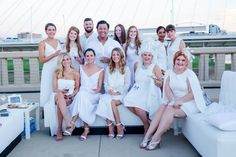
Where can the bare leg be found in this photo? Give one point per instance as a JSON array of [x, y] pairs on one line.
[[143, 116], [59, 128], [166, 121], [132, 109], [85, 133], [155, 121], [120, 127], [110, 128], [61, 102]]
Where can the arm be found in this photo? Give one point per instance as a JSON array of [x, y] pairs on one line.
[[77, 83], [158, 76], [100, 80], [182, 45], [42, 57], [168, 91], [106, 83]]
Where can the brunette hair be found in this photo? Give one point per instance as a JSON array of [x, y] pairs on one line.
[[123, 34], [170, 27], [50, 24]]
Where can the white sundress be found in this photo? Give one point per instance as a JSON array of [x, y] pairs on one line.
[[86, 100]]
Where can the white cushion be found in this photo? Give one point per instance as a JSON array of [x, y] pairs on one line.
[[225, 121]]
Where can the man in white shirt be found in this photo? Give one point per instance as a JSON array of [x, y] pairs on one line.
[[103, 45], [89, 34]]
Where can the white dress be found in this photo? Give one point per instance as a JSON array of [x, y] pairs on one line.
[[144, 94], [85, 101], [73, 54], [47, 74], [161, 55], [179, 87], [172, 48], [50, 108], [131, 59], [117, 82]]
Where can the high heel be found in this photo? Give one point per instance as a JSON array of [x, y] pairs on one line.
[[120, 135], [83, 137], [153, 145], [69, 130], [111, 134], [144, 143]]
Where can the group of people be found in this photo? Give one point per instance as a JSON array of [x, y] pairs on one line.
[[92, 74]]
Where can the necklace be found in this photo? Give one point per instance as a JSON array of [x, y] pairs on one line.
[[132, 46]]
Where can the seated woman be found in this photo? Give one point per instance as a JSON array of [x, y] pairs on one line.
[[117, 82], [182, 96], [144, 97], [85, 101], [65, 86]]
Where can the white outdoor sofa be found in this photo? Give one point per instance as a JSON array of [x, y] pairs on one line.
[[208, 140], [10, 131]]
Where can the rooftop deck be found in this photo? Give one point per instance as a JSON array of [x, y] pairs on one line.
[[41, 144]]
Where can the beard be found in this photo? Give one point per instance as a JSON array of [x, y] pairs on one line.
[[88, 30]]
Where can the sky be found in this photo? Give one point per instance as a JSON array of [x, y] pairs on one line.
[[22, 15]]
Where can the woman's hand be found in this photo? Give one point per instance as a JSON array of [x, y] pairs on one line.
[[97, 90], [177, 104], [55, 54]]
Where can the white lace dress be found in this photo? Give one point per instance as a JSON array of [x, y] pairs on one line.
[[86, 100], [117, 82], [144, 94]]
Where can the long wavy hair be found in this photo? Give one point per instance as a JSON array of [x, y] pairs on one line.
[[77, 40], [123, 34], [121, 62], [60, 69], [137, 40]]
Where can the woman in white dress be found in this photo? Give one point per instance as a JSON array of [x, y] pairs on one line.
[[173, 46], [132, 47], [161, 48], [182, 96], [49, 49], [145, 96], [117, 82], [73, 47], [86, 100], [65, 87]]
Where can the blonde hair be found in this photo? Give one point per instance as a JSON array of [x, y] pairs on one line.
[[121, 62], [60, 69]]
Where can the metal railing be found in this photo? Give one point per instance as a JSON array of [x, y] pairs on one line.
[[209, 66]]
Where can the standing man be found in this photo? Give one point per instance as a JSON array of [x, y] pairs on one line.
[[89, 34], [103, 45]]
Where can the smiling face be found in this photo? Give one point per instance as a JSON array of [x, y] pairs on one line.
[[88, 26], [102, 30], [73, 35], [181, 63], [171, 34], [51, 31], [161, 34], [118, 31], [133, 33], [147, 58], [89, 57], [116, 56], [66, 61]]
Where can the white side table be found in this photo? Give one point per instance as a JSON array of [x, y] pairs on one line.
[[27, 111]]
